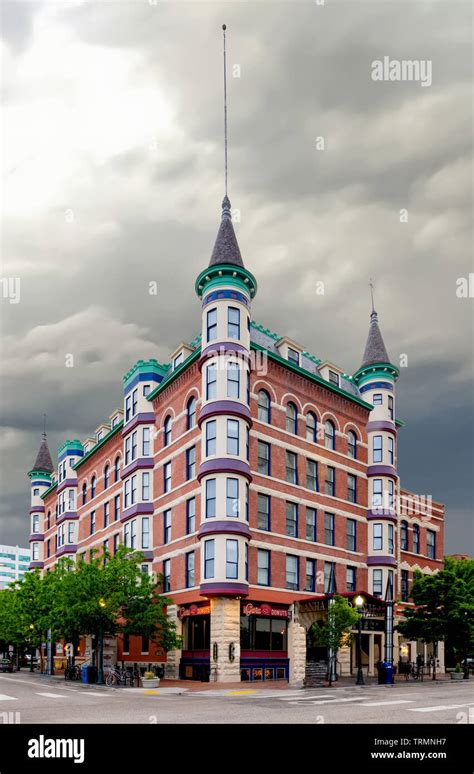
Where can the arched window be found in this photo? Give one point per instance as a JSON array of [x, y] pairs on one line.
[[329, 435], [404, 536], [311, 427], [191, 411], [84, 493], [117, 468], [106, 476], [264, 407], [352, 444], [292, 418], [49, 519], [92, 487], [167, 431], [416, 539]]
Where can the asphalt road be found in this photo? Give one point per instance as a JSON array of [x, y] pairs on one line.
[[39, 700]]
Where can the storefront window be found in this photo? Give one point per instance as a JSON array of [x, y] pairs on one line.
[[196, 632], [263, 633]]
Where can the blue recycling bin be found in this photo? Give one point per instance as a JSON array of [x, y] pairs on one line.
[[84, 673], [388, 673]]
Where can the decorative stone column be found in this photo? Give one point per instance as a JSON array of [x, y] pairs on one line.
[[297, 653], [173, 657], [225, 629]]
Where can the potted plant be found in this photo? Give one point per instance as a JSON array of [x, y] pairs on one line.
[[457, 674], [150, 680]]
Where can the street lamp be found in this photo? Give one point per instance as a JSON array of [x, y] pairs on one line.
[[31, 628], [100, 670], [359, 602]]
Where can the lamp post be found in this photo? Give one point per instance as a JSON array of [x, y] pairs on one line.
[[100, 670], [359, 602], [31, 627]]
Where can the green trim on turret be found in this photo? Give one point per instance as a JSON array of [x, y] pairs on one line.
[[399, 422], [38, 474], [145, 366], [98, 445], [75, 445], [228, 274], [376, 371], [174, 374]]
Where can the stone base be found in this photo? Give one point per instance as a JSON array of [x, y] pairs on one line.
[[225, 630], [173, 656]]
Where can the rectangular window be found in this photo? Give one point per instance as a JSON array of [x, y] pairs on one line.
[[128, 408], [291, 468], [351, 488], [329, 529], [391, 454], [211, 324], [35, 553], [210, 498], [134, 444], [211, 434], [377, 583], [232, 497], [70, 532], [311, 524], [263, 458], [292, 519], [167, 477], [133, 490], [351, 579], [377, 537], [146, 442], [35, 527], [48, 548], [167, 575], [133, 534], [145, 486], [390, 407], [330, 480], [233, 380], [404, 585], [292, 572], [134, 402], [106, 514], [209, 558], [126, 643], [334, 378], [329, 577], [377, 493], [145, 645], [263, 567], [377, 399], [116, 542], [263, 509], [232, 559], [232, 436], [211, 381], [92, 523], [310, 575], [233, 323], [390, 539], [145, 532], [190, 463], [431, 544], [377, 449], [146, 391], [351, 534], [116, 507], [128, 443], [190, 582], [293, 356], [167, 526], [190, 515], [416, 539], [178, 360], [312, 475]]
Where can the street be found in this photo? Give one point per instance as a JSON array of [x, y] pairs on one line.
[[32, 699]]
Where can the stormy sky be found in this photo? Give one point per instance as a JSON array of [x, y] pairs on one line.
[[113, 178]]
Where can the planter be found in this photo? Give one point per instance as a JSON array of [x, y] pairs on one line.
[[151, 683], [457, 676]]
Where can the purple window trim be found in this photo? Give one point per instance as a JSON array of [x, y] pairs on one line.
[[142, 463], [67, 549], [38, 509], [381, 425], [139, 509], [37, 564], [383, 515], [67, 516], [382, 470], [223, 348], [144, 418], [224, 465], [220, 407], [231, 527], [68, 482], [34, 536], [224, 589], [382, 561]]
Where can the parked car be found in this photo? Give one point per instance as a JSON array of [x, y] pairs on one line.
[[6, 665]]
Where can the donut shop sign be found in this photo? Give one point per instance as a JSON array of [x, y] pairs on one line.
[[267, 610]]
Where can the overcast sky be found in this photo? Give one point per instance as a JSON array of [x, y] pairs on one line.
[[113, 178]]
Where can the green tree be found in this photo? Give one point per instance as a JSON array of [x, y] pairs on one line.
[[336, 630]]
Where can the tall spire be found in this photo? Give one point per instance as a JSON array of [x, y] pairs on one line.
[[43, 458], [226, 249], [375, 351]]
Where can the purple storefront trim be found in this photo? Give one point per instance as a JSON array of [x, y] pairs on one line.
[[35, 536], [33, 565], [219, 407], [224, 589], [143, 463], [384, 515], [140, 509], [144, 418], [382, 470], [67, 516], [224, 348], [38, 509], [64, 484], [68, 549], [231, 527], [383, 561], [224, 465], [381, 425]]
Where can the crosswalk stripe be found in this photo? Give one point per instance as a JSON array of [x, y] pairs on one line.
[[4, 697], [383, 703], [51, 695], [333, 701], [307, 698], [440, 707]]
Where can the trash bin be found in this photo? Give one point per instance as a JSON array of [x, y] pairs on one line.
[[84, 673], [382, 672], [91, 674], [388, 673]]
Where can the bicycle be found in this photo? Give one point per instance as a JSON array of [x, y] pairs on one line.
[[73, 673], [116, 676]]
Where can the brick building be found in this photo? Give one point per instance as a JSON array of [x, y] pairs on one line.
[[256, 480]]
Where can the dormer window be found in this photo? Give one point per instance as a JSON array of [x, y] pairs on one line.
[[334, 378], [293, 356], [178, 360], [100, 435]]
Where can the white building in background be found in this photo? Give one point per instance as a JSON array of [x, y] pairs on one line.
[[14, 562]]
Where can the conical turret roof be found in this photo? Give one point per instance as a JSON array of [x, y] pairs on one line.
[[375, 351], [226, 249], [43, 458]]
